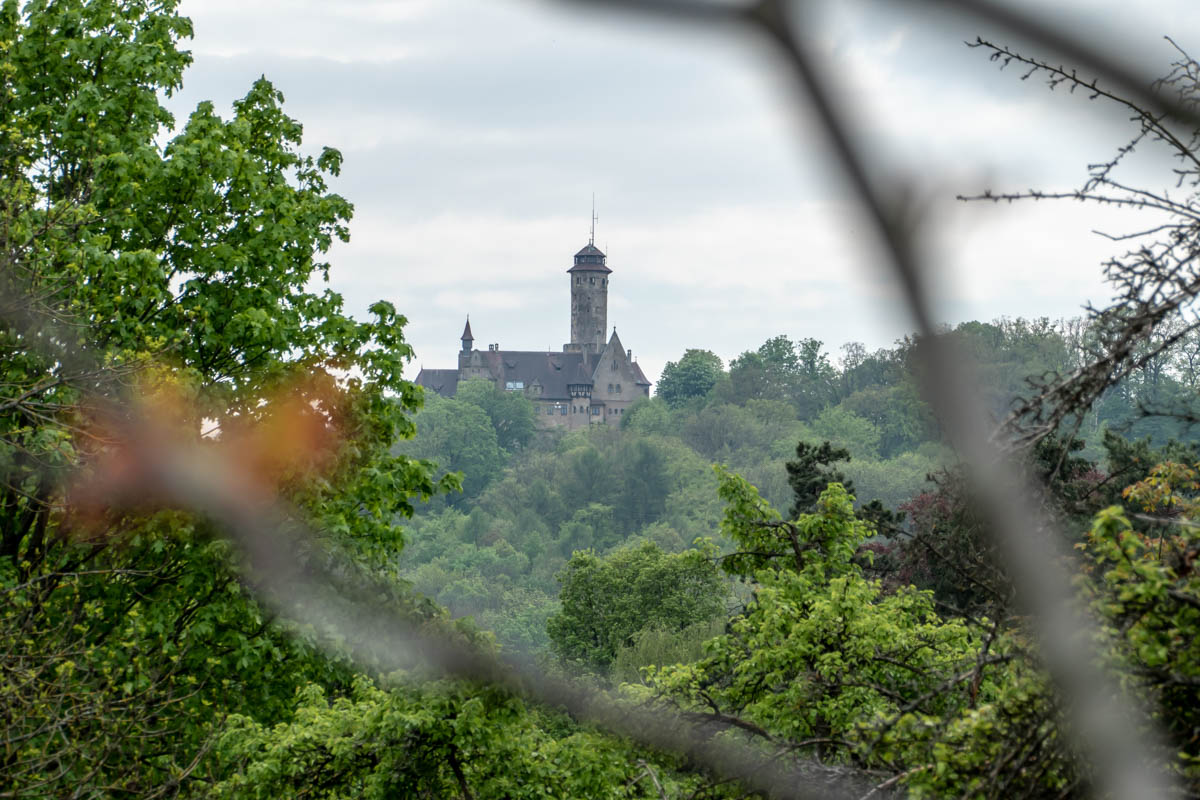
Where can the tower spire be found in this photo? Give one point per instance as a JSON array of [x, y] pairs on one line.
[[468, 338]]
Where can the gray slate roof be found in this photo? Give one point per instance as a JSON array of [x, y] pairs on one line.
[[442, 381], [642, 380], [554, 371]]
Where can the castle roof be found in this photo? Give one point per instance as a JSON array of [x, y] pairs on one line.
[[590, 259], [642, 380], [467, 332], [583, 374], [553, 371], [442, 381]]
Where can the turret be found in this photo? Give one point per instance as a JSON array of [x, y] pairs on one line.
[[468, 340]]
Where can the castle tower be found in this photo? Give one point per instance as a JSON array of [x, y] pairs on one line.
[[589, 300]]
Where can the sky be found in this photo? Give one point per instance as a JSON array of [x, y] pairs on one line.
[[476, 133]]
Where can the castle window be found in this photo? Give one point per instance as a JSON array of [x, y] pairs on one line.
[[562, 411], [514, 386], [596, 411], [618, 388], [591, 280], [610, 388]]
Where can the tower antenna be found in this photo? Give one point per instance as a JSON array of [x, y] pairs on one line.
[[592, 238]]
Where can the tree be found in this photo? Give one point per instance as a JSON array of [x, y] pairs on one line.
[[1156, 279], [606, 601], [511, 413], [691, 377], [444, 741], [812, 471], [824, 663], [176, 270], [1143, 584], [781, 369], [815, 384], [858, 435], [644, 485], [458, 436]]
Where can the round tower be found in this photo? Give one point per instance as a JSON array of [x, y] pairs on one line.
[[589, 299]]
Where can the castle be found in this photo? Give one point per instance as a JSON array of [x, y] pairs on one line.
[[591, 381]]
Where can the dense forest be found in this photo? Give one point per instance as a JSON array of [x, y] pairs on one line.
[[531, 498], [778, 562]]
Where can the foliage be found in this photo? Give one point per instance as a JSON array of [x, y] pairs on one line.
[[182, 270], [460, 438], [812, 471], [660, 646], [826, 663], [607, 601], [1144, 585], [511, 413], [690, 377], [443, 741]]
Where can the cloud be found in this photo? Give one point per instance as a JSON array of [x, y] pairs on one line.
[[475, 133]]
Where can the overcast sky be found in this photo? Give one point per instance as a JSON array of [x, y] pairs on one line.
[[475, 133]]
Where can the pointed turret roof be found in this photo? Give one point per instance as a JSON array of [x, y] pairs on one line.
[[467, 332]]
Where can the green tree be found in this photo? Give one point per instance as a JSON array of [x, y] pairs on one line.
[[690, 377], [511, 413], [859, 436], [180, 265], [816, 379], [444, 741], [606, 601], [812, 471], [1144, 586], [458, 436], [823, 663], [644, 485]]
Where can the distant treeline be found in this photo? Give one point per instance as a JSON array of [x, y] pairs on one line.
[[531, 498]]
